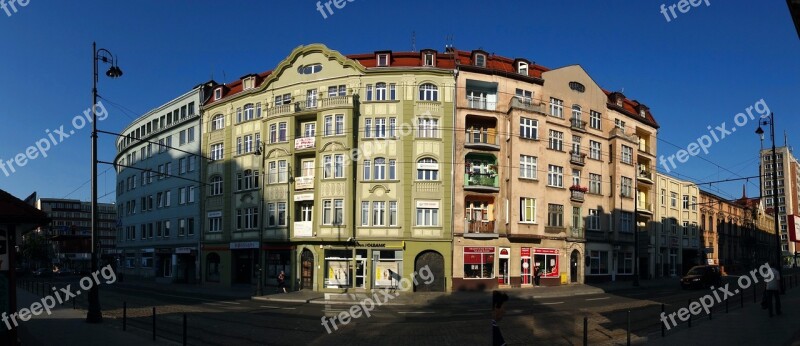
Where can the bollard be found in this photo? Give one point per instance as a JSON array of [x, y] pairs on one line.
[[585, 331], [726, 305], [184, 329], [154, 323], [629, 328], [124, 315], [690, 315], [741, 298], [663, 329]]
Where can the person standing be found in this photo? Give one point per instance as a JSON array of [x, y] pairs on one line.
[[774, 290], [537, 275], [498, 310], [282, 281]]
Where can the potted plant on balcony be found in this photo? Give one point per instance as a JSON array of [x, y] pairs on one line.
[[578, 188]]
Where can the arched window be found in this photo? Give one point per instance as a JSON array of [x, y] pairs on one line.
[[249, 113], [428, 92], [218, 122], [380, 91], [380, 168], [212, 267], [427, 169], [216, 185]]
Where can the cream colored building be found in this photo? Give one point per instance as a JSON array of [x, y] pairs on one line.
[[788, 203], [549, 168], [676, 244]]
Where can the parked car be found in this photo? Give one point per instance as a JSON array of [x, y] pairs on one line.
[[43, 272], [64, 272], [702, 277]]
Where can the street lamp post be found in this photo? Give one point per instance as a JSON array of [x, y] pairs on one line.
[[260, 285], [636, 237], [94, 314], [771, 122]]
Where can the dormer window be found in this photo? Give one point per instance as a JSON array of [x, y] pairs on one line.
[[480, 60], [428, 59], [522, 68], [619, 101], [641, 112], [383, 60], [218, 94], [249, 83]]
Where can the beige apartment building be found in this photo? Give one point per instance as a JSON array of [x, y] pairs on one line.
[[549, 170], [677, 244]]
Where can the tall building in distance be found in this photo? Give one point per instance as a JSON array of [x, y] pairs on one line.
[[158, 191], [788, 171], [334, 169], [70, 232]]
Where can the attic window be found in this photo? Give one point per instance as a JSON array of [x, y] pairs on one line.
[[428, 59], [577, 87], [642, 112], [619, 101], [248, 83], [383, 59], [522, 68], [480, 60], [309, 69], [218, 94]]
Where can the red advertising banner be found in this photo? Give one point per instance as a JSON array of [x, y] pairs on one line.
[[793, 223], [547, 251], [478, 249], [525, 252]]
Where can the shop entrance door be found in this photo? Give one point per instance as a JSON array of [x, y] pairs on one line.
[[306, 270], [573, 266]]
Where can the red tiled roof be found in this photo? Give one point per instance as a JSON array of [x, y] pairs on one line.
[[15, 211], [447, 60]]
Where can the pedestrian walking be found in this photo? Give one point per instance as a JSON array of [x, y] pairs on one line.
[[537, 275], [774, 290], [282, 281], [498, 310]]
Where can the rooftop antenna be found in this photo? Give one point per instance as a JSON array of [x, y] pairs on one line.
[[224, 77], [414, 41], [448, 39]]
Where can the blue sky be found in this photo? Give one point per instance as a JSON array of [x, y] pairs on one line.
[[699, 69]]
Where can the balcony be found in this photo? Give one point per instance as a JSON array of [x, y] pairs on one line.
[[577, 125], [576, 158], [526, 105], [618, 132], [576, 232], [601, 236], [644, 207], [555, 230], [480, 229], [645, 176], [481, 182], [301, 104], [476, 102], [577, 195], [482, 139]]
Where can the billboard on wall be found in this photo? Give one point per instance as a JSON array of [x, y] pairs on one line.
[[792, 229]]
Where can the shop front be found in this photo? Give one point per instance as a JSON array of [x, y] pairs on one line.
[[478, 268], [371, 265]]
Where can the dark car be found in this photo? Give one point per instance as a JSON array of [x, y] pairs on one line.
[[702, 277]]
